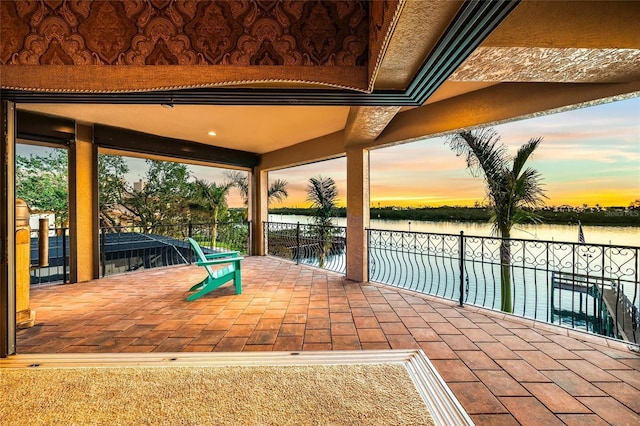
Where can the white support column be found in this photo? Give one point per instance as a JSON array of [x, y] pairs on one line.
[[357, 213], [258, 209]]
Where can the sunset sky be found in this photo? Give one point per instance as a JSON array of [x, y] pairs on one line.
[[590, 155]]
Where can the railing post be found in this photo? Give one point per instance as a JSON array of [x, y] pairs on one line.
[[249, 238], [368, 232], [64, 255], [190, 230], [265, 237], [103, 255], [461, 258], [298, 243]]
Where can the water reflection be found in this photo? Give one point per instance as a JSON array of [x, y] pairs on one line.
[[615, 235]]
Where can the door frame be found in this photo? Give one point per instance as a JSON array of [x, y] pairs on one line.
[[7, 229]]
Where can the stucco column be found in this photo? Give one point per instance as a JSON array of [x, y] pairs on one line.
[[258, 209], [83, 207], [357, 213]]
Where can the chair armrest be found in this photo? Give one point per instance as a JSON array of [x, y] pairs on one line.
[[219, 261], [223, 254]]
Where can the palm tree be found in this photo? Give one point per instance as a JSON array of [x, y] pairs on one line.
[[211, 198], [510, 188], [277, 189], [240, 181], [322, 193]]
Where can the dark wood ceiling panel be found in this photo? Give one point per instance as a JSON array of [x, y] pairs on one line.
[[144, 143], [45, 128]]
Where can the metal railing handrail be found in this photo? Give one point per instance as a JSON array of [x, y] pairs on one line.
[[509, 239], [303, 243], [60, 251], [468, 267]]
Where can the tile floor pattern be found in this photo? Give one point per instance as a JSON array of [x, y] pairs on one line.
[[503, 369]]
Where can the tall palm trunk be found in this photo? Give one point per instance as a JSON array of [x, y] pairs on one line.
[[322, 254], [506, 304], [214, 227], [325, 245], [504, 224]]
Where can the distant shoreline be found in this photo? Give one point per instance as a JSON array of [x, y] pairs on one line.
[[611, 217]]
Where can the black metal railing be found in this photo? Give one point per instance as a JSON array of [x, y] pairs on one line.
[[230, 236], [591, 287], [130, 248], [126, 249], [55, 267], [320, 246]]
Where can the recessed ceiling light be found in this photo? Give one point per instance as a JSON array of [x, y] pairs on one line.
[[211, 133]]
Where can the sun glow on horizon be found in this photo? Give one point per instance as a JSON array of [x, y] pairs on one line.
[[588, 156]]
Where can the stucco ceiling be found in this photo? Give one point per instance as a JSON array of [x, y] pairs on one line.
[[256, 129], [572, 42]]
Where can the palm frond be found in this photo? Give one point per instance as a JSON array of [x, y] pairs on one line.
[[278, 190], [322, 193], [523, 155], [509, 188], [528, 189], [526, 216], [241, 181], [481, 150], [210, 197]]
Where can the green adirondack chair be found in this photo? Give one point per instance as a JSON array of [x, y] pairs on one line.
[[216, 277]]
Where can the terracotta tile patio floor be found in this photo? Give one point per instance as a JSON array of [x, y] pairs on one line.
[[503, 369]]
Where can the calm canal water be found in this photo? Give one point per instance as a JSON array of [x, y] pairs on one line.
[[435, 273], [615, 235]]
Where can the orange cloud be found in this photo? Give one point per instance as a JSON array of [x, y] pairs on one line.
[[590, 155]]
